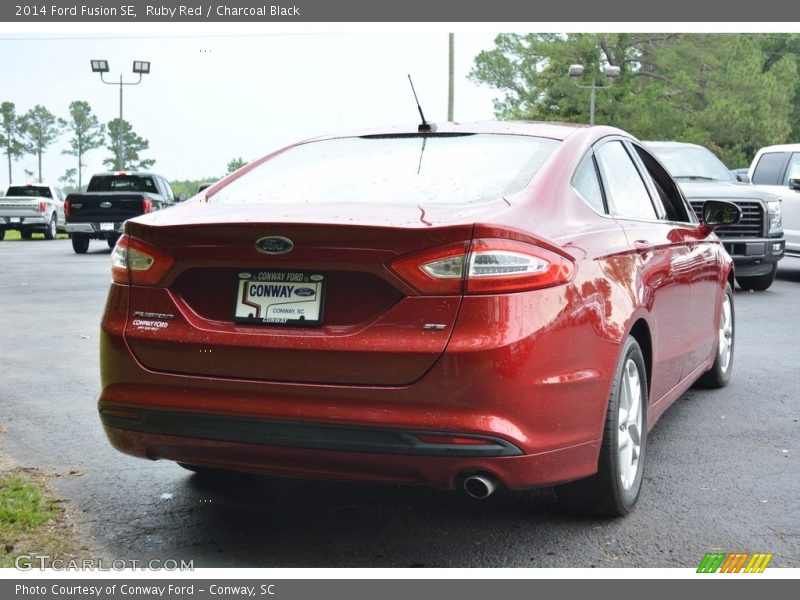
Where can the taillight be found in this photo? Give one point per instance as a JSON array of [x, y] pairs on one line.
[[147, 205], [42, 206], [138, 263], [435, 272], [486, 266]]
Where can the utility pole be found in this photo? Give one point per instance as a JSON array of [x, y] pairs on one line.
[[451, 80]]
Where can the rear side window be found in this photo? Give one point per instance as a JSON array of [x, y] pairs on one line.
[[626, 193], [588, 185], [402, 169], [769, 169]]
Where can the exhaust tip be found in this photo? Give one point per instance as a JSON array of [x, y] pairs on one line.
[[480, 486]]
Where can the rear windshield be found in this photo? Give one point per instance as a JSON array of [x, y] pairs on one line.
[[122, 183], [29, 190], [408, 169]]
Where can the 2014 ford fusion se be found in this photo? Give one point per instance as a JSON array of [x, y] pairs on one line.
[[461, 306]]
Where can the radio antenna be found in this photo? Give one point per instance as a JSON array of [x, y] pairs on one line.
[[424, 126]]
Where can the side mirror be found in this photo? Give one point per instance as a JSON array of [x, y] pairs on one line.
[[794, 184], [717, 213], [743, 178], [181, 197]]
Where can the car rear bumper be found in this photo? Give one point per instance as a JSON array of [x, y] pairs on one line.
[[24, 222], [515, 472], [93, 228]]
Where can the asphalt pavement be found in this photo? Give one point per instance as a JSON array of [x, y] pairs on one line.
[[722, 472]]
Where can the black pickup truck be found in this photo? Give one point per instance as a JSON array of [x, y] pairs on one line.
[[110, 200]]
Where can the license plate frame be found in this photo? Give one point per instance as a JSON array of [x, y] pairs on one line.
[[282, 298], [107, 227]]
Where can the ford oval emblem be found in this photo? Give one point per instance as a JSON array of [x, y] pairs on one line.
[[274, 245], [105, 205], [304, 292]]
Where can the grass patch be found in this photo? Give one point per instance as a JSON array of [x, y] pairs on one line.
[[31, 521], [22, 504], [12, 235]]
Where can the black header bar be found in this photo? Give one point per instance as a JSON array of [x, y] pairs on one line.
[[407, 11]]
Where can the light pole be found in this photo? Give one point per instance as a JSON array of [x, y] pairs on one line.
[[140, 67], [576, 71]]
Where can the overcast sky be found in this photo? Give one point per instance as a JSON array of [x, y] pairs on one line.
[[212, 97]]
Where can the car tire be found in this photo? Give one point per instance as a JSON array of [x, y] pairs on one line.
[[111, 240], [25, 234], [52, 228], [758, 283], [80, 243], [719, 374], [2, 234], [614, 489]]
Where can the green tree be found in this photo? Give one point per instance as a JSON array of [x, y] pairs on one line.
[[40, 129], [10, 136], [68, 179], [719, 90], [236, 163], [87, 133], [132, 145]]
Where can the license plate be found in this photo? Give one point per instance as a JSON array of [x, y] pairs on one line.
[[279, 298], [14, 220], [106, 227]]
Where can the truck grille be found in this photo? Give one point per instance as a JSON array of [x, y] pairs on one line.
[[751, 225]]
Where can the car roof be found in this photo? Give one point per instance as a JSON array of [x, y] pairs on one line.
[[781, 148], [125, 173], [554, 130]]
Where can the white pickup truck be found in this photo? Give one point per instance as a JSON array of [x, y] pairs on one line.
[[777, 170], [30, 208]]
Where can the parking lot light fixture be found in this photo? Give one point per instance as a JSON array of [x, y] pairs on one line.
[[611, 72], [140, 67], [100, 66]]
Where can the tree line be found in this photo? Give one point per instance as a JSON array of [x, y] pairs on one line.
[[33, 132], [733, 93]]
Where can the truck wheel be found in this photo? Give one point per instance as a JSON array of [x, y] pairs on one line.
[[112, 240], [2, 233], [758, 283], [80, 243], [614, 490], [52, 228], [720, 373], [25, 234]]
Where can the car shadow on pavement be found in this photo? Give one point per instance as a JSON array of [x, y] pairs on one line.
[[253, 520]]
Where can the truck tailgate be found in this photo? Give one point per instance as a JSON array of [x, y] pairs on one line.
[[20, 206], [100, 207]]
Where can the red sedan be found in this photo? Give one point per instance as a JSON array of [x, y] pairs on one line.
[[465, 306]]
